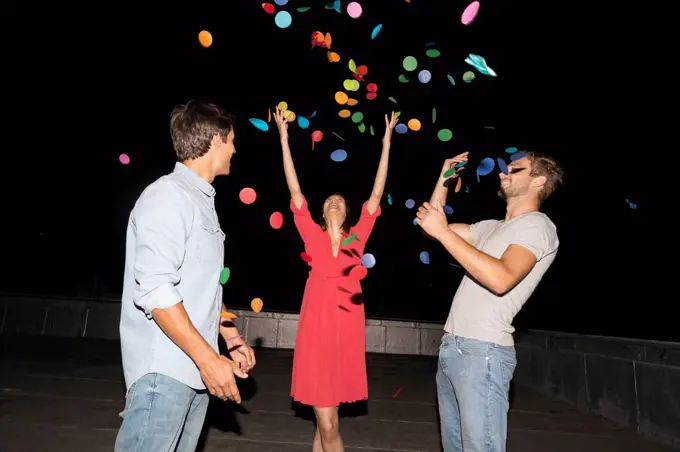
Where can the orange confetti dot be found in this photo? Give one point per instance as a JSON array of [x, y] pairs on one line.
[[333, 57], [341, 98], [228, 315], [205, 38], [344, 113], [256, 304], [414, 124], [352, 102]]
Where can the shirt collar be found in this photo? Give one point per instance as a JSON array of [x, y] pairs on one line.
[[194, 179]]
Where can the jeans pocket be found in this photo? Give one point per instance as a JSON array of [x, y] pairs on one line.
[[128, 397], [474, 349]]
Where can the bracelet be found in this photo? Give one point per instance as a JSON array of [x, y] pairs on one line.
[[233, 338]]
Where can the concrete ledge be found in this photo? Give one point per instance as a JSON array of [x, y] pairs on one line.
[[633, 382], [100, 319]]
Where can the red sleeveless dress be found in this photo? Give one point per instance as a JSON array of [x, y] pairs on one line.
[[329, 362]]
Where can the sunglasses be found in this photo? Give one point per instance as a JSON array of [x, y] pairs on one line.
[[516, 170]]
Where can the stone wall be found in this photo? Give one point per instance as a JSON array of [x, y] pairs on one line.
[[100, 318], [635, 383]]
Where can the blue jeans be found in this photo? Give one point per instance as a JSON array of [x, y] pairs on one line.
[[161, 415], [473, 382]]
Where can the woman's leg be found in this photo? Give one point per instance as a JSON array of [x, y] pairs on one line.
[[328, 426]]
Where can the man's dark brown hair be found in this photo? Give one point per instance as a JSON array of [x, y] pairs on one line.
[[346, 225], [193, 126], [543, 165]]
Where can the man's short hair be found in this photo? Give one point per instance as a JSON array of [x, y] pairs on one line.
[[543, 165], [193, 126]]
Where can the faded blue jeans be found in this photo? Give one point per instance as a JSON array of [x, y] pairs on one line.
[[473, 382], [161, 415]]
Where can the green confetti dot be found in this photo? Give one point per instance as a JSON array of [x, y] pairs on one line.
[[410, 63], [433, 53], [362, 127], [357, 117], [224, 275], [444, 135]]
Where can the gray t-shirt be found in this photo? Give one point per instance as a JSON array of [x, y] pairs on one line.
[[477, 313]]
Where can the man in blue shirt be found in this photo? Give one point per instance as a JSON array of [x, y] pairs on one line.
[[172, 297]]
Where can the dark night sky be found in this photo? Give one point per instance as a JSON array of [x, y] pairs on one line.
[[89, 84]]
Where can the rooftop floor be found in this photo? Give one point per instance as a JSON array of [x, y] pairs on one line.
[[61, 394]]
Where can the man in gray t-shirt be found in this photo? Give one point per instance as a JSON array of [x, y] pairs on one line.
[[504, 262]]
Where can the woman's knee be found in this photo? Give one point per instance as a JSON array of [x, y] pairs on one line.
[[327, 423]]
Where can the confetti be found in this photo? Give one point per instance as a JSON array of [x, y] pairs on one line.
[[283, 19], [518, 156], [470, 13], [341, 98], [205, 38], [339, 155], [424, 76], [247, 195], [226, 315], [448, 210], [469, 76], [433, 53], [414, 124], [368, 260], [224, 275], [410, 64], [350, 239], [259, 124], [276, 220], [317, 136], [376, 30], [485, 166], [444, 135], [268, 8], [502, 165], [302, 122], [479, 63], [401, 128], [410, 204], [306, 257], [358, 273], [425, 257], [511, 150], [124, 159], [256, 305], [354, 10]]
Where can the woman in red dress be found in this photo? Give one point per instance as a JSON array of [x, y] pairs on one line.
[[329, 363]]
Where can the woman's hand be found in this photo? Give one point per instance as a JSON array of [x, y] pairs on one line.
[[389, 127], [281, 124]]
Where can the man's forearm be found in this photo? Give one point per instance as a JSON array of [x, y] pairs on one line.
[[175, 323], [487, 270]]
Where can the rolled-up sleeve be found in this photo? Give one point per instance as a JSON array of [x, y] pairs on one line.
[[162, 221]]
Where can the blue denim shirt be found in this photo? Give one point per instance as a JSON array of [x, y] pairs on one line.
[[174, 253]]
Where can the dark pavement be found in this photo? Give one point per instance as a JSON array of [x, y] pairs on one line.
[[65, 395]]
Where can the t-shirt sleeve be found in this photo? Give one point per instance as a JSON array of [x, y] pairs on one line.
[[478, 229], [537, 234]]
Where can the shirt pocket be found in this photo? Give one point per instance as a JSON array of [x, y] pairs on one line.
[[210, 243]]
